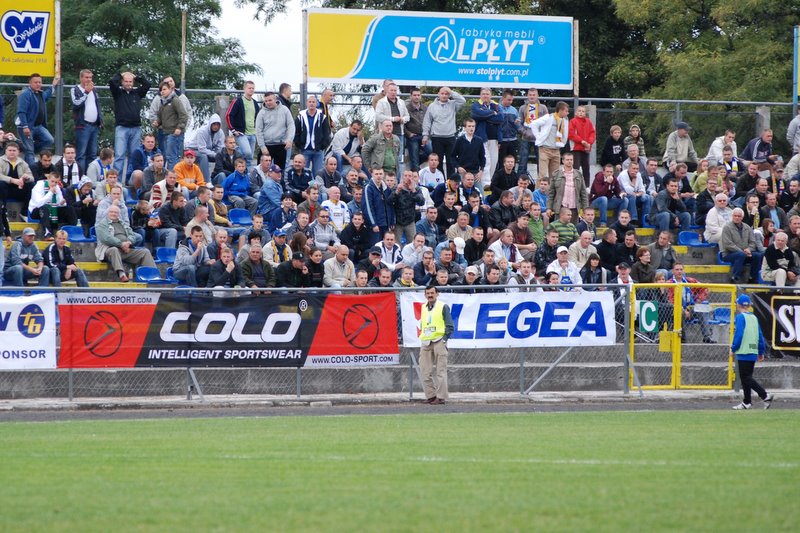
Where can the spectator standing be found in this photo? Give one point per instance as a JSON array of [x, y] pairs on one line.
[[439, 125], [88, 117], [127, 115], [583, 136], [31, 118], [748, 347], [241, 119]]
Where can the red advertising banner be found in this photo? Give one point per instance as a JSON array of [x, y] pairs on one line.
[[180, 330]]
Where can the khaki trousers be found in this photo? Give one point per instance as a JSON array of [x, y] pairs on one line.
[[434, 356], [135, 257], [549, 161]]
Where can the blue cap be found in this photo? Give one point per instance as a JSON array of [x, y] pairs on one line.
[[744, 301], [279, 233]]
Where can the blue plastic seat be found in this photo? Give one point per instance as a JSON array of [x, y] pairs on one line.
[[75, 234], [150, 275], [691, 238], [240, 217], [165, 255], [722, 315], [171, 275], [722, 261]]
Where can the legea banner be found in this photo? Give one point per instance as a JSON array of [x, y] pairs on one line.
[[520, 319], [439, 48], [27, 37], [27, 332]]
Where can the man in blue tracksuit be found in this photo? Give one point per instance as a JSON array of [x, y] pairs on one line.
[[748, 346], [31, 119]]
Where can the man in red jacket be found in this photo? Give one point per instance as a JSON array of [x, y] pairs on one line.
[[582, 135]]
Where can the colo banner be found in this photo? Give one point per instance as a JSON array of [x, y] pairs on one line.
[[439, 48], [152, 330], [779, 317], [519, 319], [27, 332], [28, 37]]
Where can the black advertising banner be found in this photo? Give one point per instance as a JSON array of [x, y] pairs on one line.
[[174, 330], [778, 315]]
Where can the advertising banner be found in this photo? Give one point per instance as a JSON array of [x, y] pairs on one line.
[[779, 317], [27, 332], [519, 319], [433, 49], [27, 37], [152, 330]]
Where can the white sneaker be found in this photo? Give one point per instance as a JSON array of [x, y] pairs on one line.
[[768, 401], [742, 406]]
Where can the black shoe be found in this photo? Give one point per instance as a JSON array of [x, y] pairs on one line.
[[708, 340], [437, 401], [430, 400]]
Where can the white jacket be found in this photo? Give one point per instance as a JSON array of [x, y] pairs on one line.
[[383, 111], [714, 156], [41, 196], [715, 221]]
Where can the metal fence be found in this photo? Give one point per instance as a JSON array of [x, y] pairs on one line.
[[656, 118], [530, 370]]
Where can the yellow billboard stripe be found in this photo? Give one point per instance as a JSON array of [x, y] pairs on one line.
[[335, 42]]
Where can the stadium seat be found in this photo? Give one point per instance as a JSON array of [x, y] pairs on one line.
[[150, 275], [32, 217], [691, 238], [171, 275], [720, 261], [240, 217], [75, 234], [722, 315], [165, 255]]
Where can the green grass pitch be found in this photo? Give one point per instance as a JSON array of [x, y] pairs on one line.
[[589, 471]]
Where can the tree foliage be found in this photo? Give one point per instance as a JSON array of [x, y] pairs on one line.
[[144, 36]]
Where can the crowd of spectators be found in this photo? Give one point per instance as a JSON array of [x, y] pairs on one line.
[[415, 203]]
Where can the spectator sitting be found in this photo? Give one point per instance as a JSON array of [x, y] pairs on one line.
[[192, 264], [567, 270], [115, 241], [189, 175], [236, 188], [276, 251], [593, 273], [643, 270], [524, 280], [738, 246], [25, 262], [339, 269], [717, 218], [47, 199], [425, 270], [662, 253], [256, 273], [582, 249], [691, 297], [58, 258], [567, 232], [293, 273], [607, 250], [780, 263], [226, 274], [627, 249]]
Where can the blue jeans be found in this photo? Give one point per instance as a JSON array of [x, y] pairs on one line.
[[525, 148], [86, 144], [738, 259], [78, 276], [639, 206], [663, 221], [172, 148], [126, 141], [414, 144], [602, 203], [40, 139], [17, 276], [167, 236], [314, 160], [247, 145], [204, 161]]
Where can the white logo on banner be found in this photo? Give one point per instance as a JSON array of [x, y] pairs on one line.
[[28, 332]]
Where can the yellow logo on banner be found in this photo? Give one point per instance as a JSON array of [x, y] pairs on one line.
[[27, 37], [347, 31]]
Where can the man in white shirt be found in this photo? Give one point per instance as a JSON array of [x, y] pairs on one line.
[[340, 215]]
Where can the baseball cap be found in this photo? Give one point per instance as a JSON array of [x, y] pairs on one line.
[[298, 256], [274, 168], [28, 231], [744, 301], [375, 250], [682, 125], [279, 233], [189, 152], [472, 270], [624, 266], [455, 176], [562, 249], [460, 244]]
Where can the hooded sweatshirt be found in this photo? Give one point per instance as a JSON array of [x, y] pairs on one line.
[[207, 142]]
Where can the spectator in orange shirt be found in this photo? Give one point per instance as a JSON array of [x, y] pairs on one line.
[[189, 173]]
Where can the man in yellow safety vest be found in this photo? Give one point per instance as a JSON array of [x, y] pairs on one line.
[[436, 326]]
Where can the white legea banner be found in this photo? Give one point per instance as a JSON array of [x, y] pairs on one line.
[[508, 320], [27, 332]]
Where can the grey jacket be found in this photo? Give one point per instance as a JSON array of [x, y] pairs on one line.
[[22, 254], [734, 240], [440, 118], [23, 170], [374, 150], [206, 142], [107, 239], [184, 259], [274, 126]]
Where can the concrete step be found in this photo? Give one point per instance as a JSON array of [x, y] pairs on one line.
[[777, 374]]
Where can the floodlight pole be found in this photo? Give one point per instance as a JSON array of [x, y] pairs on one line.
[[183, 49], [575, 69], [795, 81], [59, 139], [304, 82]]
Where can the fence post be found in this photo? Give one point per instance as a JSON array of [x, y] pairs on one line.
[[522, 372], [763, 119], [629, 301], [678, 113], [298, 385], [59, 137]]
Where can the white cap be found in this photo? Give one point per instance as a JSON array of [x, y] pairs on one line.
[[460, 244]]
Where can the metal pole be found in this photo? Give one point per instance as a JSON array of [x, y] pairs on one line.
[[59, 139], [183, 49], [304, 83], [627, 321], [410, 378], [795, 80], [298, 386], [522, 372], [575, 70]]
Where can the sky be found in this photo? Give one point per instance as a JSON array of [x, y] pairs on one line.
[[276, 48]]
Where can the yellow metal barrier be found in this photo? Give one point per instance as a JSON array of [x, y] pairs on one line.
[[672, 357]]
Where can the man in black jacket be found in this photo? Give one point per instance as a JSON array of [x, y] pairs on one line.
[[405, 199], [173, 213], [58, 257], [127, 115], [293, 273]]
